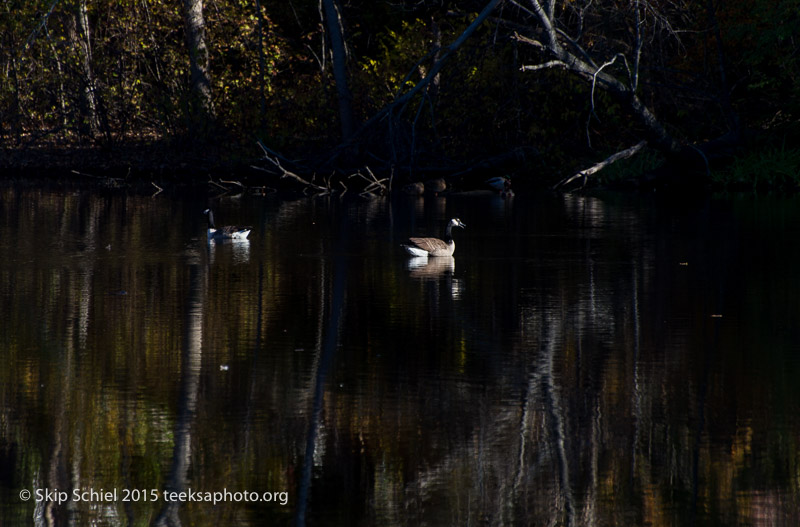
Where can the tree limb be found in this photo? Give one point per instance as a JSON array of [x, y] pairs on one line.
[[527, 40], [547, 24], [42, 23], [577, 61], [637, 53], [545, 65], [628, 152], [288, 174]]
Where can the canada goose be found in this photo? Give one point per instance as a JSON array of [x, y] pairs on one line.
[[436, 186], [435, 246], [501, 184], [414, 189], [224, 233]]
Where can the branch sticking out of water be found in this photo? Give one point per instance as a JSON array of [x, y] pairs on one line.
[[374, 185], [628, 152], [275, 161]]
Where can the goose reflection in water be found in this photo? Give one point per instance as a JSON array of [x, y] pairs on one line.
[[438, 272], [239, 249], [428, 268]]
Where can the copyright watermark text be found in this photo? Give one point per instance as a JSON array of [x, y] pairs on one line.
[[151, 495]]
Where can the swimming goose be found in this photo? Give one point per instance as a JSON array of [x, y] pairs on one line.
[[414, 189], [436, 186], [435, 246], [501, 184], [224, 233]]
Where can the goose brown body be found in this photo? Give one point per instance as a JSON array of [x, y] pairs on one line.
[[435, 246]]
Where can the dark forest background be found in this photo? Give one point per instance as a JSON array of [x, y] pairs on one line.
[[534, 89]]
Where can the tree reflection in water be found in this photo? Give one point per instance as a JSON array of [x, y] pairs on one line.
[[590, 360]]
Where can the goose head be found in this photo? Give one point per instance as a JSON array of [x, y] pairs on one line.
[[455, 222]]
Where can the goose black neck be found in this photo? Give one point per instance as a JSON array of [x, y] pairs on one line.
[[211, 220], [448, 233]]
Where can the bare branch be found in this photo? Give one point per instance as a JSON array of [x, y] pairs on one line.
[[577, 47], [522, 7], [527, 40], [599, 71], [579, 62], [222, 187], [637, 54], [401, 100], [237, 183], [268, 152], [547, 24], [288, 174], [550, 8], [42, 23], [545, 65], [449, 50], [373, 183], [594, 84], [582, 18]]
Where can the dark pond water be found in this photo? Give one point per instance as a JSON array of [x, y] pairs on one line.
[[606, 360]]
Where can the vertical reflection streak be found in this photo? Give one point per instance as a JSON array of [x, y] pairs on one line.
[[555, 410], [192, 355], [330, 343]]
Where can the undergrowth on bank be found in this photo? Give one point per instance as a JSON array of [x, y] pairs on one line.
[[771, 167]]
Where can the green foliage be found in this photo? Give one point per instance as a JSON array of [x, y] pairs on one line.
[[761, 38], [271, 75], [237, 62], [774, 168], [391, 69], [480, 103]]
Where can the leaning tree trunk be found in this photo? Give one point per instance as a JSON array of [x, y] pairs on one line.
[[579, 61], [334, 24], [549, 34], [201, 106]]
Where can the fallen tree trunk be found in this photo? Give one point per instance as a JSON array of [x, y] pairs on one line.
[[616, 71], [623, 154]]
